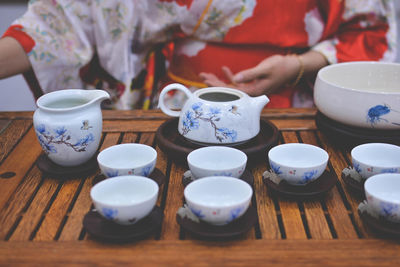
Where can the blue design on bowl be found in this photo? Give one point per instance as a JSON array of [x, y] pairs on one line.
[[374, 114], [235, 214], [276, 168], [390, 170], [308, 176], [110, 213], [112, 173], [198, 213]]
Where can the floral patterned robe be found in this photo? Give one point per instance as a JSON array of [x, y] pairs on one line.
[[111, 44]]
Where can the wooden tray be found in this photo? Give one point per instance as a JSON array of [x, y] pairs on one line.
[[177, 147], [354, 135]]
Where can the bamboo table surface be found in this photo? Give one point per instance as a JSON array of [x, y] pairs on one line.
[[41, 217]]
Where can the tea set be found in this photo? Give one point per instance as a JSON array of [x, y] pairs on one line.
[[68, 125]]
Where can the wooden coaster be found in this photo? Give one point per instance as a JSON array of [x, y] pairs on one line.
[[354, 185], [177, 147], [384, 227], [106, 230], [156, 175], [314, 189], [204, 230], [247, 176], [50, 168], [354, 135]]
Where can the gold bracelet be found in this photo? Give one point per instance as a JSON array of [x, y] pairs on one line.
[[301, 71]]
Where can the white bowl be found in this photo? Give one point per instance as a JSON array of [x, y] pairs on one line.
[[362, 94], [217, 161], [125, 199], [383, 195], [218, 199], [375, 158], [127, 159], [298, 164]]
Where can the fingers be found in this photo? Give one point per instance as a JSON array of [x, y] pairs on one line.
[[228, 73], [211, 80], [252, 74]]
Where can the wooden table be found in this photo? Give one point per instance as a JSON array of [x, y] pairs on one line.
[[41, 217]]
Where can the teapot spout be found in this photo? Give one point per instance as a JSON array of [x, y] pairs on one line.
[[260, 101]]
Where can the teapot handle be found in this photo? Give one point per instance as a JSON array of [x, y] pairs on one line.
[[173, 86]]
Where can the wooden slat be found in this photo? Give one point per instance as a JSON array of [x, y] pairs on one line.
[[294, 124], [337, 211], [338, 164], [129, 126], [19, 162], [57, 212], [18, 201], [291, 215], [267, 216], [174, 200], [73, 225], [196, 253], [33, 215], [159, 115], [11, 135], [318, 226], [4, 124]]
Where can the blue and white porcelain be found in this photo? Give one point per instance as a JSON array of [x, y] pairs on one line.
[[218, 200], [217, 161], [125, 199], [204, 118], [127, 159], [362, 94], [297, 163], [375, 158], [383, 195], [68, 124]]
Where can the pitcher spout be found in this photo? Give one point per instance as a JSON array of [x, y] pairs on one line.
[[97, 95]]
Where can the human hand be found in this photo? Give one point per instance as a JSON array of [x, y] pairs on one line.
[[267, 77]]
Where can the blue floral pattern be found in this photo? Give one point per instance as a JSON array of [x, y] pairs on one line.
[[60, 136], [375, 114], [308, 176], [390, 170], [275, 168], [111, 173], [193, 117], [234, 214], [223, 174], [110, 213], [146, 170], [357, 167], [198, 213], [389, 209]]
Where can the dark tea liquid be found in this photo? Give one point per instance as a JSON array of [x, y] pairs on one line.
[[218, 97]]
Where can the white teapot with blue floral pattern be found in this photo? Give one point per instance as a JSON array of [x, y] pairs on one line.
[[68, 124], [216, 115]]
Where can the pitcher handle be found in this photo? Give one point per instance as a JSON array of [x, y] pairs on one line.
[[173, 86]]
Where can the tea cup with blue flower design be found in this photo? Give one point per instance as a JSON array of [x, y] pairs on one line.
[[383, 195], [216, 161], [125, 199], [127, 159], [218, 200], [374, 158], [297, 163]]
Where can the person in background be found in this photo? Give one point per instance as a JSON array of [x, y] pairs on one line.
[[134, 48]]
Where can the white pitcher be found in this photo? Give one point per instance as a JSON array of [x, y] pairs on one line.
[[68, 124]]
